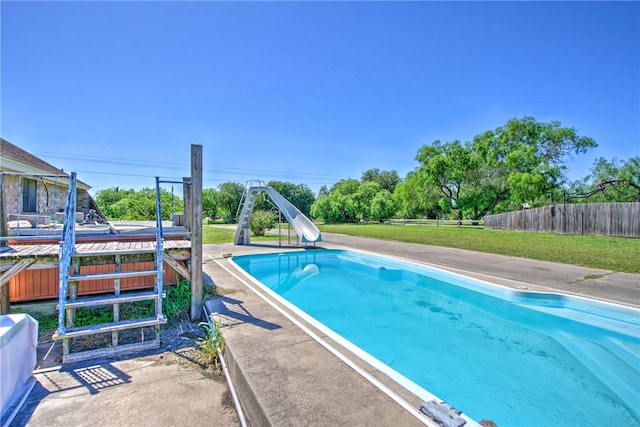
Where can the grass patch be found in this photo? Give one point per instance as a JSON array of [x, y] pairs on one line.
[[225, 234], [607, 253], [217, 234]]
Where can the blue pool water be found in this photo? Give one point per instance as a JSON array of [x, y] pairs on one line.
[[517, 358]]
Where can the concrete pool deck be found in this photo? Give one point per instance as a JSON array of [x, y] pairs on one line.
[[287, 377]]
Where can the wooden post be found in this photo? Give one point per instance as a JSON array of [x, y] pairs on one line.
[[186, 192], [196, 231]]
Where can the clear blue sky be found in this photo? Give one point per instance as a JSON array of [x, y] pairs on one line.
[[306, 92]]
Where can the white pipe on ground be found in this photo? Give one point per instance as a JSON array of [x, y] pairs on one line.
[[232, 390]]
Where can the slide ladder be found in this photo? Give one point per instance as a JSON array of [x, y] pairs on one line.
[[303, 226]]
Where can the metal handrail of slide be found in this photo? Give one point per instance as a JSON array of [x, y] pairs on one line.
[[247, 185]]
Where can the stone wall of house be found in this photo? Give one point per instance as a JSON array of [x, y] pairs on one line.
[[83, 202], [51, 197], [11, 195]]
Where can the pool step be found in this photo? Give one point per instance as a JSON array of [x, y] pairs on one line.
[[607, 365]]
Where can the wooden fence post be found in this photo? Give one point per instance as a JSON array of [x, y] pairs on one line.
[[196, 231]]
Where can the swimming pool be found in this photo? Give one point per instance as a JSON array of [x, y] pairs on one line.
[[515, 357]]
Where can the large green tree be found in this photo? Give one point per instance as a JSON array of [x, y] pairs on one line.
[[414, 200], [610, 181], [387, 180], [210, 203], [299, 195], [382, 206], [521, 162], [135, 205], [106, 200], [339, 205], [229, 196], [350, 200]]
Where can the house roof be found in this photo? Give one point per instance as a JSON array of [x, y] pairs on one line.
[[27, 162]]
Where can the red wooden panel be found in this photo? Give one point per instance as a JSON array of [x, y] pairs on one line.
[[33, 285], [90, 287]]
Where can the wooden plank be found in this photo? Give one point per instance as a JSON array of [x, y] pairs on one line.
[[179, 268], [108, 327], [196, 231], [109, 252], [114, 275], [176, 244], [112, 299], [110, 351], [14, 271]]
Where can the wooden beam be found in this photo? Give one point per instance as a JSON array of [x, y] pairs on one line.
[[186, 193], [196, 231], [38, 264], [15, 269], [179, 268]]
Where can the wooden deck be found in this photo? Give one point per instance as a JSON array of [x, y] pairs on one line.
[[34, 266], [14, 253]]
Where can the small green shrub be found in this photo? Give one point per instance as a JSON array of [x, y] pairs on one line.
[[177, 303], [261, 221]]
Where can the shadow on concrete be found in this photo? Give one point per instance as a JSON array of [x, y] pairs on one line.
[[90, 375], [37, 394], [94, 377], [233, 310], [98, 377]]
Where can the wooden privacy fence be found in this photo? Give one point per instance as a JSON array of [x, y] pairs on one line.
[[607, 219]]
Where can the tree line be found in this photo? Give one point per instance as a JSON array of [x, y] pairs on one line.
[[522, 163]]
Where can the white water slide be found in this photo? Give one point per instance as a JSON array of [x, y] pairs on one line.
[[303, 226]]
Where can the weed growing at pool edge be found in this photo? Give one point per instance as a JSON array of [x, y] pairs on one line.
[[213, 345]]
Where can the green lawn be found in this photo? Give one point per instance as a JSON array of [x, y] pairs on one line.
[[609, 253], [225, 234]]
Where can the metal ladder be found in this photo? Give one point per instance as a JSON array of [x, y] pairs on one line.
[[68, 302], [247, 203]]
